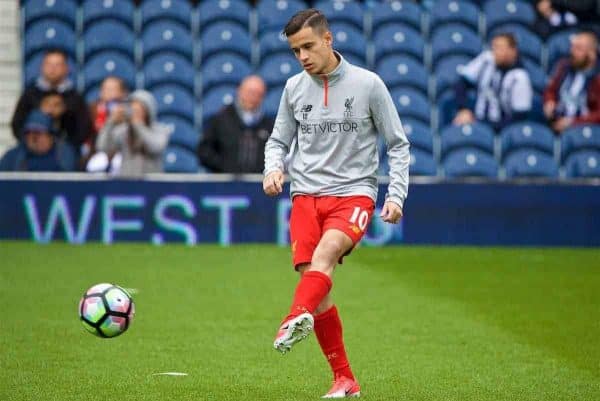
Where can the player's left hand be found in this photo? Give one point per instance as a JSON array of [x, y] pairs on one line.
[[391, 212]]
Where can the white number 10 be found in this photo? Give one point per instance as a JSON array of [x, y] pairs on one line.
[[361, 216]]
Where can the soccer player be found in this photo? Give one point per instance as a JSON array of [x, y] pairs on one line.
[[333, 111]]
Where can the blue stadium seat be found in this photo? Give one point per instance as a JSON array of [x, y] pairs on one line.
[[276, 69], [447, 107], [273, 42], [274, 14], [418, 134], [121, 10], [182, 132], [449, 11], [355, 60], [271, 102], [174, 100], [537, 75], [530, 163], [528, 134], [215, 99], [174, 10], [421, 163], [169, 68], [502, 11], [397, 70], [64, 10], [583, 164], [583, 137], [49, 34], [108, 35], [166, 36], [212, 11], [454, 39], [108, 63], [224, 69], [477, 135], [179, 160], [347, 39], [405, 12], [470, 162], [349, 11], [398, 38], [446, 72], [226, 37], [33, 64], [411, 103], [558, 46], [529, 44]]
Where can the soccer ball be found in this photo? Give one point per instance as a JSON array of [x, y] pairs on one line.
[[106, 310]]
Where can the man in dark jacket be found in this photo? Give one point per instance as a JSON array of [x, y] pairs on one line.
[[573, 95], [75, 121], [234, 141]]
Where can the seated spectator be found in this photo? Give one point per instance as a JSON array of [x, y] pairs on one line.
[[40, 148], [54, 78], [234, 141], [132, 136], [573, 95], [552, 18], [53, 104], [504, 92]]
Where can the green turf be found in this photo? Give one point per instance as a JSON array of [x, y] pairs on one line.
[[421, 323]]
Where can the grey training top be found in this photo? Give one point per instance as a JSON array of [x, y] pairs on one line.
[[334, 120]]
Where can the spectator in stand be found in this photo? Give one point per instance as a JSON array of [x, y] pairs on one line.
[[573, 95], [552, 18], [133, 133], [504, 92], [53, 104], [235, 139], [40, 148], [75, 120]]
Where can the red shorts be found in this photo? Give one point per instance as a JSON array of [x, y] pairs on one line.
[[311, 216]]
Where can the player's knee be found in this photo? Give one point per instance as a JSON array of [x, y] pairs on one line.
[[326, 255]]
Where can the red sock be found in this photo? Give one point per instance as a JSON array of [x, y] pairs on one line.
[[311, 290], [328, 328]]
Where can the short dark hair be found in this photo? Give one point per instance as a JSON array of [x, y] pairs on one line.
[[56, 50], [306, 18], [510, 38]]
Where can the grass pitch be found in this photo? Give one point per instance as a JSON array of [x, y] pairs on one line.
[[421, 323]]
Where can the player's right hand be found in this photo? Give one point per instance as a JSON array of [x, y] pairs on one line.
[[273, 183]]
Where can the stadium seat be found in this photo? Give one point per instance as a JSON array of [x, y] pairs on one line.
[[33, 64], [226, 37], [179, 160], [421, 163], [398, 38], [405, 12], [583, 137], [530, 163], [173, 10], [477, 135], [182, 132], [446, 72], [108, 63], [121, 10], [450, 11], [348, 11], [347, 39], [271, 102], [411, 103], [169, 68], [583, 164], [273, 42], [418, 134], [276, 69], [274, 14], [64, 10], [470, 162], [49, 34], [396, 70], [174, 100], [355, 60], [108, 35], [529, 44], [454, 39], [224, 69], [212, 11], [528, 134], [166, 36], [558, 46], [538, 77], [502, 11], [215, 99]]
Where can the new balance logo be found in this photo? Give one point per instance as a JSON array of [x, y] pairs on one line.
[[305, 110]]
